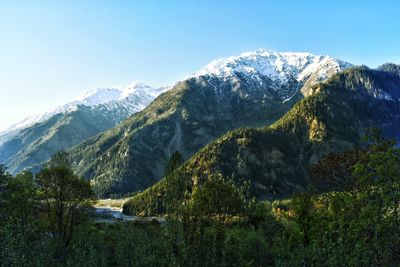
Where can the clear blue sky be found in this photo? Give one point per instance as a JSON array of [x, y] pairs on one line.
[[51, 51]]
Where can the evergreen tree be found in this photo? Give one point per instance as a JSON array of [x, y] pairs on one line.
[[175, 161]]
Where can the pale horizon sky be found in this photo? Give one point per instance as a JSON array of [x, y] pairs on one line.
[[53, 51]]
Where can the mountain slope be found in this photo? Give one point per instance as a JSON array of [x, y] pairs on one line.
[[331, 120], [275, 159], [132, 156], [34, 140]]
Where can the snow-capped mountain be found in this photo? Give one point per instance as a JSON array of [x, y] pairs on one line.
[[253, 89], [141, 93], [278, 68], [131, 98], [32, 141], [250, 90]]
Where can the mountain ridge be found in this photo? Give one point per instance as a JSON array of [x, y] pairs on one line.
[[132, 156], [280, 67], [275, 159], [93, 97]]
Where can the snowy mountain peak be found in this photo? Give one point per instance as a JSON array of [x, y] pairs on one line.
[[98, 96], [140, 88], [277, 66], [133, 97]]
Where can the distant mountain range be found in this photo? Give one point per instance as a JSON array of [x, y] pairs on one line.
[[253, 89], [31, 142], [261, 116]]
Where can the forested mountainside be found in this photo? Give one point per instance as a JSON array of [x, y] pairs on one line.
[[274, 160], [251, 90]]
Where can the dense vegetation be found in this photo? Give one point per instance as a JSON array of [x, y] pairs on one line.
[[40, 214], [219, 225]]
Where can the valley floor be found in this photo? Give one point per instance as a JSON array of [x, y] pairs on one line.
[[110, 211]]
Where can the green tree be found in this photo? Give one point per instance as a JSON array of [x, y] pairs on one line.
[[175, 161], [335, 171], [246, 247], [22, 241], [66, 198], [378, 184], [4, 177], [175, 188], [217, 197], [303, 207], [20, 197]]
